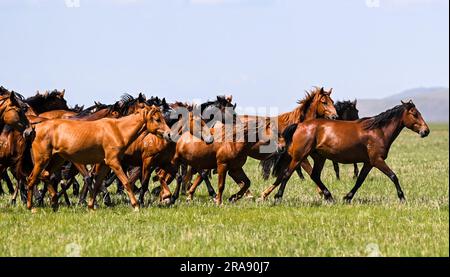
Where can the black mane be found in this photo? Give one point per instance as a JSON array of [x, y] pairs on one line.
[[342, 105], [385, 117]]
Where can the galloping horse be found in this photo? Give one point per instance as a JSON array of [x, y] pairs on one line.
[[227, 153], [367, 141], [316, 104], [15, 128], [101, 142]]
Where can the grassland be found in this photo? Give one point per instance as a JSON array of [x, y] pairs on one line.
[[302, 225]]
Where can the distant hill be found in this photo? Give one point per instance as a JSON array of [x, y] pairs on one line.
[[432, 103]]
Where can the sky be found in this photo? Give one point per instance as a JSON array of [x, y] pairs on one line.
[[263, 52]]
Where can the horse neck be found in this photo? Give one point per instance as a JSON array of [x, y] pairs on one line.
[[131, 127], [97, 115], [392, 130], [289, 118]]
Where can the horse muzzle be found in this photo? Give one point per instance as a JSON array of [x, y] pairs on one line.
[[166, 135], [29, 133], [424, 133]]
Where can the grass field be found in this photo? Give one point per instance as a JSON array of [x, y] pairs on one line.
[[302, 225]]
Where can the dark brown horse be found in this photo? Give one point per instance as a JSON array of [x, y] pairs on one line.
[[101, 142], [367, 141], [48, 101], [14, 128]]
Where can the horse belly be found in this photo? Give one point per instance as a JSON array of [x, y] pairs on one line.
[[78, 147], [345, 155]]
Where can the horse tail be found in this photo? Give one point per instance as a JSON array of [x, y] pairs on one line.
[[284, 158], [277, 161]]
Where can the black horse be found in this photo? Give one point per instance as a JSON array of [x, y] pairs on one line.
[[346, 110], [48, 101]]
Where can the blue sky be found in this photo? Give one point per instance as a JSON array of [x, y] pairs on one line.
[[264, 52]]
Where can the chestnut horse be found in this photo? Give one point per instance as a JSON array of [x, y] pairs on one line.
[[227, 153], [367, 141], [100, 142]]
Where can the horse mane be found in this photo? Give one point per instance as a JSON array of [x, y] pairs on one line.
[[342, 105], [4, 91], [378, 121], [299, 114]]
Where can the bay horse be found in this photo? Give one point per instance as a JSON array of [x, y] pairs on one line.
[[15, 128], [367, 141], [102, 142], [317, 103], [346, 110]]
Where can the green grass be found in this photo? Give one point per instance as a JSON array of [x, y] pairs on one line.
[[302, 225]]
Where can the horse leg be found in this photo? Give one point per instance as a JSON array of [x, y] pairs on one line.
[[40, 163], [191, 191], [114, 164], [355, 171], [222, 174], [306, 165], [240, 178], [41, 195], [165, 195], [8, 182], [64, 187], [277, 182], [209, 187], [383, 167], [336, 169], [101, 170], [286, 176], [134, 174], [146, 173], [319, 163], [3, 172], [300, 173], [364, 172]]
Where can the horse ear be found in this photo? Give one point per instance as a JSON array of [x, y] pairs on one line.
[[62, 93], [322, 90], [46, 94], [403, 103], [13, 99], [331, 90], [37, 92], [355, 102], [141, 98], [229, 98]]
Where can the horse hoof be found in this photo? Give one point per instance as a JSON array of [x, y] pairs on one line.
[[233, 199], [261, 199], [218, 202], [34, 211], [13, 202], [136, 209], [330, 200], [167, 201]]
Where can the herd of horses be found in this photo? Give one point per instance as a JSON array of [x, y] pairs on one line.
[[45, 141]]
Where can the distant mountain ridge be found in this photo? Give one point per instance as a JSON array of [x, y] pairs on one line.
[[433, 103]]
